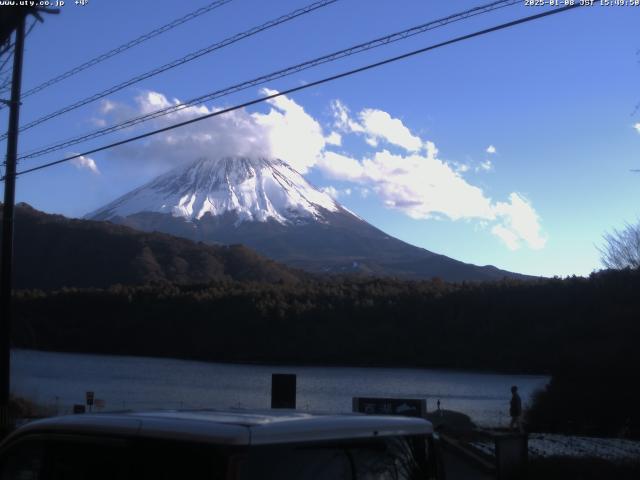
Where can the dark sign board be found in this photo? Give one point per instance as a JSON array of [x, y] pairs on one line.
[[78, 408], [90, 396], [283, 390], [409, 407]]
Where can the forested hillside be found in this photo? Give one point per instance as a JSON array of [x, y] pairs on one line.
[[52, 251]]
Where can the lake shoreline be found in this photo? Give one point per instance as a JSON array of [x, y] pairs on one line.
[[298, 364]]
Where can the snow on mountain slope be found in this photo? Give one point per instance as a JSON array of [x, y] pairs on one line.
[[255, 189], [266, 205]]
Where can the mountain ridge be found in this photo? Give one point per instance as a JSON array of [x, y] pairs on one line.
[[268, 206], [52, 251]]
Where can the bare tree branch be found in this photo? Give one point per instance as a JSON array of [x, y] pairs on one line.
[[621, 248]]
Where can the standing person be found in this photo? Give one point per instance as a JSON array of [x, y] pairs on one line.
[[515, 410]]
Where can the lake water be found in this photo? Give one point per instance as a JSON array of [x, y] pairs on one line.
[[60, 380]]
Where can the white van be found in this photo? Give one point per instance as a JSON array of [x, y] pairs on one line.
[[212, 445]]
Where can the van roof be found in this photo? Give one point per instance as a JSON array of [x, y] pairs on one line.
[[234, 427]]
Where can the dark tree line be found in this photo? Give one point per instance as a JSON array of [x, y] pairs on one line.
[[507, 326]]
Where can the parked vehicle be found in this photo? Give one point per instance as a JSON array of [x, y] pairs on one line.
[[229, 445]]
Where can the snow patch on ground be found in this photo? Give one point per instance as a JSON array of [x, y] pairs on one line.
[[553, 445]]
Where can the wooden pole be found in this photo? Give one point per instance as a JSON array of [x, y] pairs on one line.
[[7, 229]]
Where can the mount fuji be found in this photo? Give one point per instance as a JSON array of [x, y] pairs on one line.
[[267, 205]]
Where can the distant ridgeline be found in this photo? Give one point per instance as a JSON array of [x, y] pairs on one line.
[[280, 215], [52, 252]]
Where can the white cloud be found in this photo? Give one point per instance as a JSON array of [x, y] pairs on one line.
[[285, 131], [432, 151], [107, 106], [423, 186], [491, 149], [334, 138], [372, 141], [417, 183], [380, 125], [334, 193], [341, 167], [519, 217], [637, 127], [331, 191], [486, 166], [460, 167], [376, 125], [87, 163], [509, 237], [419, 186], [342, 119], [294, 135]]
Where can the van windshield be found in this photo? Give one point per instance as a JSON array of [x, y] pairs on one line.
[[397, 458]]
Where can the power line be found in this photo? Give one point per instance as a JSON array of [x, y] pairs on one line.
[[126, 46], [33, 24], [378, 42], [181, 61], [9, 46], [6, 60], [308, 85]]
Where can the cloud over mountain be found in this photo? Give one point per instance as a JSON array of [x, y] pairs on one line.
[[417, 182], [403, 170]]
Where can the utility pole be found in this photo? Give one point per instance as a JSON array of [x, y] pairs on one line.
[[12, 19], [7, 228]]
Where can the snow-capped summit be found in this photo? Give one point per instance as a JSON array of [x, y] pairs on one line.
[[254, 189], [268, 206]]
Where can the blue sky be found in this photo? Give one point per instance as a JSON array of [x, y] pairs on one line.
[[555, 98]]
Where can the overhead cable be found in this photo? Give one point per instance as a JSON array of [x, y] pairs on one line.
[[306, 86], [180, 61], [362, 47], [126, 46]]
